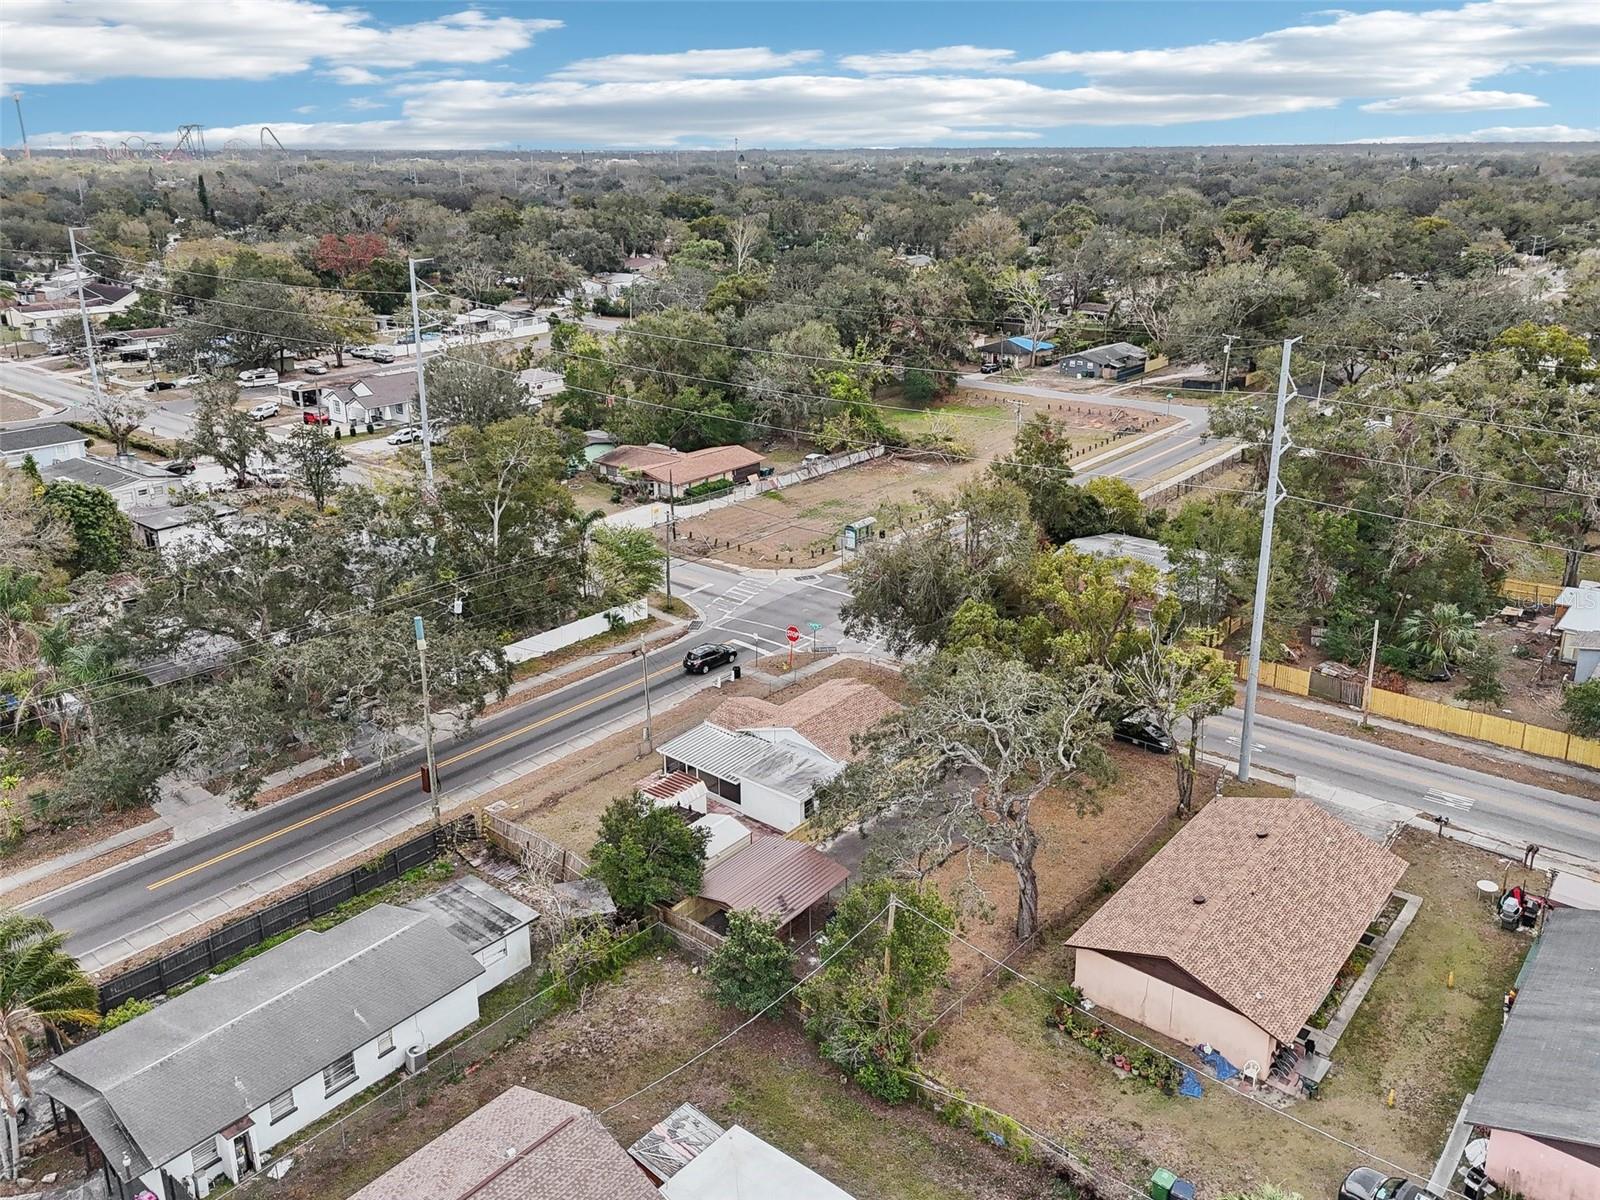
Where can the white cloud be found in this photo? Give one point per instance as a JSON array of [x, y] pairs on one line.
[[354, 76], [48, 41], [629, 68], [363, 102], [1495, 133], [944, 59], [1411, 61], [304, 109]]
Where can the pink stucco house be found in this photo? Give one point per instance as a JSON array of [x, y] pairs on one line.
[[1540, 1095], [1235, 931]]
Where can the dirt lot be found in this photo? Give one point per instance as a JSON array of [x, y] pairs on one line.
[[628, 1033], [564, 800], [1414, 1033], [799, 525]]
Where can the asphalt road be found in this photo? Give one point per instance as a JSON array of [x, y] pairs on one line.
[[752, 613], [1480, 801]]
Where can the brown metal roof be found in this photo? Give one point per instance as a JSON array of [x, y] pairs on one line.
[[1259, 899], [522, 1145], [637, 458], [773, 876]]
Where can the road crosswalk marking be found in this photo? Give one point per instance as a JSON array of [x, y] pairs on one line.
[[1449, 799]]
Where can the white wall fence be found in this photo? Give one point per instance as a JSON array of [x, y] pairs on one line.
[[541, 644], [659, 512]]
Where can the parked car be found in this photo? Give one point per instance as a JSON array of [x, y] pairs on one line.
[[264, 411], [259, 377], [1144, 731], [316, 368], [989, 369], [404, 436], [704, 658], [159, 385], [313, 416], [179, 466], [1369, 1183], [360, 351], [382, 354], [189, 381], [273, 479], [814, 458]]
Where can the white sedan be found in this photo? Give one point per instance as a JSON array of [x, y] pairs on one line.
[[404, 436]]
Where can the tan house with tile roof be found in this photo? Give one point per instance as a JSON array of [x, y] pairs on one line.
[[522, 1145], [1233, 933]]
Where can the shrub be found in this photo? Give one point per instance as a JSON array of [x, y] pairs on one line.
[[1581, 707], [751, 967], [125, 1012], [646, 855]]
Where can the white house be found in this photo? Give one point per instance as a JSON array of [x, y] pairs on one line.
[[132, 484], [45, 443], [203, 1088], [494, 927], [377, 398], [99, 299], [539, 385], [1578, 623], [163, 528]]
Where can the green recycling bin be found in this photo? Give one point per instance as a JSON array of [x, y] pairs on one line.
[[1161, 1184]]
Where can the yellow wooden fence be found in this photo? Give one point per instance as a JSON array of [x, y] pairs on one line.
[[1430, 714], [1528, 592]]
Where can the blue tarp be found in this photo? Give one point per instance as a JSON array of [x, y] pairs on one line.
[[1221, 1067], [1191, 1084], [1028, 345]]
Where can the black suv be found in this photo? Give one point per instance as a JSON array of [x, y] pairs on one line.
[[1143, 730], [703, 658]]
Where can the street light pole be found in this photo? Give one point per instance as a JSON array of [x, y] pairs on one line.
[[672, 526], [644, 662], [427, 718], [83, 315], [1264, 565], [422, 382]]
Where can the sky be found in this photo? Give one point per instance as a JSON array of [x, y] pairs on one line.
[[664, 75]]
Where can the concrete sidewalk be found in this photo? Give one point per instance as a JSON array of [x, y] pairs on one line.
[[41, 870]]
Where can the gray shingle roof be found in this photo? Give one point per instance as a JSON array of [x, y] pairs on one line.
[[1544, 1076], [35, 437], [474, 913], [208, 1057], [92, 472], [1113, 354]]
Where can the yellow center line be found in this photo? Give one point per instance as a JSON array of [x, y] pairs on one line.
[[394, 783]]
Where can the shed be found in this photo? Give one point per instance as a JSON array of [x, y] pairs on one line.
[[739, 1165], [675, 1141], [776, 877]]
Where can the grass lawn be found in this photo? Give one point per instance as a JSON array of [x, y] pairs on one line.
[[1414, 1032], [627, 1033]]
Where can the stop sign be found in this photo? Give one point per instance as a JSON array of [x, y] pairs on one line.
[[794, 633]]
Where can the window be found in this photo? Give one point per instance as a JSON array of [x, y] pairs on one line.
[[386, 1043], [280, 1107], [341, 1073], [206, 1157]]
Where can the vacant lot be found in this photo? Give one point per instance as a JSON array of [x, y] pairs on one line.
[[1415, 1033], [631, 1031]]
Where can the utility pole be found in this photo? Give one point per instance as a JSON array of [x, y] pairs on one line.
[[422, 381], [1372, 669], [644, 662], [1227, 352], [672, 526], [427, 719], [1264, 565], [83, 315], [888, 960]]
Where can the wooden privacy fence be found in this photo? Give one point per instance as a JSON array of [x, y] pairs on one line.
[[1527, 592], [191, 961], [535, 851], [1430, 714]]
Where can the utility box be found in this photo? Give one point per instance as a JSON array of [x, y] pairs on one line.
[[1161, 1184]]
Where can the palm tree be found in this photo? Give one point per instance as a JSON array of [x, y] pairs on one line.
[[41, 988], [1439, 633]]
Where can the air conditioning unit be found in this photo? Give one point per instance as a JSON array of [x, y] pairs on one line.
[[416, 1059]]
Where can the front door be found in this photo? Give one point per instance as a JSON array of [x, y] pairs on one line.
[[243, 1156]]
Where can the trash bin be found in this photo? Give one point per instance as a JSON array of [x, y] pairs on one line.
[[737, 673], [1161, 1184], [1182, 1189]]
